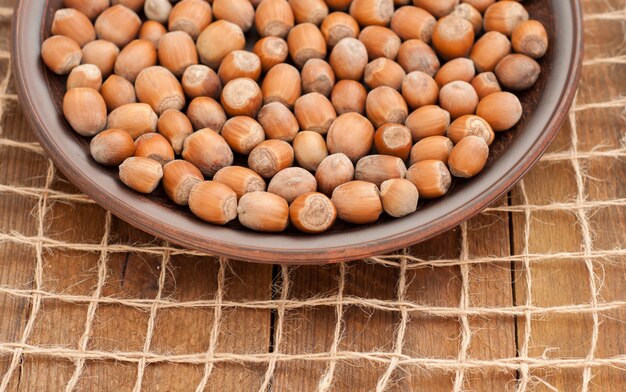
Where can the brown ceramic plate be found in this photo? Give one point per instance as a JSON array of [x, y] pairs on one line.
[[513, 154]]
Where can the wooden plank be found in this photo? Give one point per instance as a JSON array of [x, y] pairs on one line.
[[489, 285], [21, 168], [311, 330], [550, 232], [60, 323], [567, 281], [184, 331]]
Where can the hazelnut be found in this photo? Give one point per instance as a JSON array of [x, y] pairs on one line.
[[348, 59], [190, 16], [413, 23], [141, 174], [333, 171], [379, 168], [117, 92], [314, 112], [385, 105], [489, 50], [305, 41], [348, 96], [112, 147], [352, 135], [292, 182], [470, 125], [458, 69], [282, 84], [430, 120], [317, 77], [416, 55], [243, 134], [485, 83], [380, 42], [74, 25], [179, 177], [201, 81], [118, 24], [240, 179], [102, 54], [242, 97], [468, 157], [517, 72], [175, 127], [155, 147], [270, 157], [312, 213], [263, 211], [530, 38], [239, 12], [135, 118], [217, 40], [309, 149], [85, 110], [384, 72], [438, 8], [91, 9], [152, 31], [134, 58], [157, 10], [309, 11], [372, 12], [177, 51], [431, 148], [240, 64], [213, 202], [431, 178], [160, 89], [338, 26], [453, 37], [208, 151], [204, 112], [278, 122], [502, 110], [458, 98], [271, 51], [394, 140], [357, 202], [86, 75], [470, 14], [274, 18], [419, 89], [61, 54], [504, 16], [399, 197]]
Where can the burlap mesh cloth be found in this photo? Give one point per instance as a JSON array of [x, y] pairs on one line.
[[530, 295]]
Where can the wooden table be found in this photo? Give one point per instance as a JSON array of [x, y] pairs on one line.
[[531, 294]]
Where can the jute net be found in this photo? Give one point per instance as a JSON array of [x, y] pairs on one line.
[[529, 295]]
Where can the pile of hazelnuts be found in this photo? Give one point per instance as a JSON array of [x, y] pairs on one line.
[[342, 108]]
